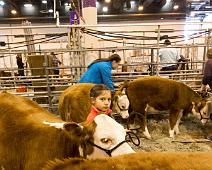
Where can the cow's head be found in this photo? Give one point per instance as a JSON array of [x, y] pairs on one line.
[[121, 104], [202, 110], [109, 138], [103, 137]]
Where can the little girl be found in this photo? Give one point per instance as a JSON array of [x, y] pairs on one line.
[[100, 96]]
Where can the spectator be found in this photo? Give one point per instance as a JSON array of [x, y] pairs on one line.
[[73, 14], [207, 75], [55, 63], [207, 78], [100, 96], [168, 56], [99, 71], [20, 65]]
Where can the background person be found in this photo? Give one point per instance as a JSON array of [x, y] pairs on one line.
[[20, 65], [168, 56], [100, 96], [207, 75], [100, 71], [55, 63]]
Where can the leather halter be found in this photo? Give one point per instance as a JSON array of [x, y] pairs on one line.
[[130, 134], [202, 118], [108, 151]]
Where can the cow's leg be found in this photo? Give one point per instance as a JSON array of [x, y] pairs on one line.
[[173, 117], [176, 127], [145, 130]]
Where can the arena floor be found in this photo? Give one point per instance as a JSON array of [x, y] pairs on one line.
[[192, 136]]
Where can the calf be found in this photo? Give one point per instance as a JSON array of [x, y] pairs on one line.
[[139, 161], [75, 105], [30, 136], [164, 95]]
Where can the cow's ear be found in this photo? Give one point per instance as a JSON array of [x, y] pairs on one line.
[[124, 91], [73, 128]]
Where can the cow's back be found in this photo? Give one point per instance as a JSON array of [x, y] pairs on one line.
[[26, 143], [74, 102], [138, 161], [160, 93]]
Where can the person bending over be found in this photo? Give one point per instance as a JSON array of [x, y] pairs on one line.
[[100, 71]]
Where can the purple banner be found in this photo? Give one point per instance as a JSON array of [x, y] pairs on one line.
[[88, 3]]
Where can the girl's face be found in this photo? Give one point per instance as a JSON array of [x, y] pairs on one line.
[[103, 101]]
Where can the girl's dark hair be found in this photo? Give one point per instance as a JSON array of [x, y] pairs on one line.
[[113, 57], [97, 90]]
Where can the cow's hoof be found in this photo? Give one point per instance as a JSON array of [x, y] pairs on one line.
[[147, 136]]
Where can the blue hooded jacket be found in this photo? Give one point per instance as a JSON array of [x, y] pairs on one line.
[[99, 73]]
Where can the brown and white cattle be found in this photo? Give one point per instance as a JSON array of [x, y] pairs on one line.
[[164, 95], [139, 161], [30, 136], [75, 105]]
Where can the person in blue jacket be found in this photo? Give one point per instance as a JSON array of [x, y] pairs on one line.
[[100, 71]]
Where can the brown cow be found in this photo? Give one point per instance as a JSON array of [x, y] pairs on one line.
[[164, 95], [30, 136], [74, 103], [139, 161]]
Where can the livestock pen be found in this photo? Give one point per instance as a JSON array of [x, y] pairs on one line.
[[139, 58]]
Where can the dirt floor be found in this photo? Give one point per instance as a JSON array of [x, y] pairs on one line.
[[192, 135]]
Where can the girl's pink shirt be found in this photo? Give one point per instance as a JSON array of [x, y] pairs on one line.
[[94, 112]]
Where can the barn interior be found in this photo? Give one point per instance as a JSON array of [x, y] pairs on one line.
[[34, 30]]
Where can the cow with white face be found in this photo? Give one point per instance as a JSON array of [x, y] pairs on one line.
[[168, 95], [203, 109], [120, 104], [30, 136], [75, 103]]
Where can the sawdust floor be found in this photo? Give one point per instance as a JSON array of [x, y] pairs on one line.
[[192, 136]]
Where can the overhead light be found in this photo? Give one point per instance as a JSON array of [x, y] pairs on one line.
[[107, 1], [2, 3], [13, 11], [44, 1], [28, 5], [141, 8], [176, 7], [51, 11], [105, 9]]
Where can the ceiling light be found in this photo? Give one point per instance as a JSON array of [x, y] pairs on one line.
[[176, 7], [51, 11], [105, 9], [28, 5], [44, 1], [2, 3], [107, 1], [141, 8], [13, 11]]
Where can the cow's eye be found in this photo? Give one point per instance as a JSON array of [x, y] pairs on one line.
[[105, 140], [123, 107]]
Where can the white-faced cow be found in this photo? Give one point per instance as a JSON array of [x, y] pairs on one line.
[[75, 105], [30, 136], [139, 161], [164, 95]]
